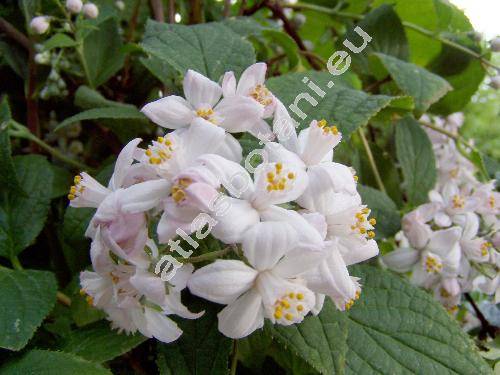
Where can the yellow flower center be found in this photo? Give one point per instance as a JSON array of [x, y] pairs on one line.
[[278, 179], [76, 189], [332, 129], [363, 225], [160, 151], [491, 201], [485, 247], [458, 201], [177, 191], [432, 264], [261, 94], [289, 307], [207, 114]]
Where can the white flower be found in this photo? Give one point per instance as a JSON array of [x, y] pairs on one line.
[[40, 24], [90, 10], [450, 202], [257, 200], [489, 286], [133, 298], [475, 248], [235, 114], [268, 288], [252, 85], [74, 6], [438, 260], [488, 199], [332, 186]]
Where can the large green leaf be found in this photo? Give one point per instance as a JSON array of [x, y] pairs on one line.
[[383, 209], [201, 349], [8, 176], [395, 328], [387, 33], [102, 52], [45, 362], [104, 113], [426, 88], [416, 156], [23, 217], [210, 49], [342, 105], [319, 340], [27, 297], [98, 343]]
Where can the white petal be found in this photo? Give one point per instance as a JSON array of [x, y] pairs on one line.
[[238, 113], [471, 226], [144, 196], [401, 260], [252, 76], [233, 222], [298, 261], [442, 219], [171, 112], [202, 137], [161, 327], [173, 305], [149, 285], [90, 193], [315, 143], [242, 317], [265, 243], [284, 128], [123, 163], [294, 178], [442, 241], [201, 91], [230, 149], [222, 281], [261, 130], [229, 84], [181, 277], [278, 153], [356, 250], [231, 175], [317, 221]]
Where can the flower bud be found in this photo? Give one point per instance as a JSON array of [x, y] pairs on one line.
[[74, 6], [90, 10], [42, 58], [495, 44], [39, 25], [495, 82], [120, 5]]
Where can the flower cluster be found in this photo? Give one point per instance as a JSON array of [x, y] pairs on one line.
[[451, 243], [292, 224]]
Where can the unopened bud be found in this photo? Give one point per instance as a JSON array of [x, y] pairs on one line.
[[495, 44], [90, 10], [495, 82], [120, 5], [74, 6], [40, 25]]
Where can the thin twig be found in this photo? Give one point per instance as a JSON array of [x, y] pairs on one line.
[[15, 34], [171, 11], [486, 327], [206, 257], [195, 12], [227, 8], [371, 160], [253, 9], [157, 8], [242, 7], [63, 299]]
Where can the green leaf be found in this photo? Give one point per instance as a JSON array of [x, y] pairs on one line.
[[287, 43], [8, 176], [210, 49], [14, 57], [45, 362], [61, 182], [27, 297], [29, 9], [396, 328], [104, 113], [88, 98], [346, 107], [81, 312], [201, 349], [416, 156], [253, 350], [59, 41], [102, 52], [384, 210], [98, 343], [388, 37], [23, 217], [321, 341], [426, 88]]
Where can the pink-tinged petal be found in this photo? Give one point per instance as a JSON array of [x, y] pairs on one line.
[[179, 280], [144, 196], [230, 149], [401, 260], [201, 91], [149, 285], [415, 230], [229, 84], [123, 163], [265, 243], [222, 281], [452, 286], [285, 128], [442, 241], [238, 113], [161, 327], [233, 221], [175, 217], [252, 76], [242, 317], [201, 195], [171, 112], [133, 254], [442, 219], [278, 153], [231, 175]]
